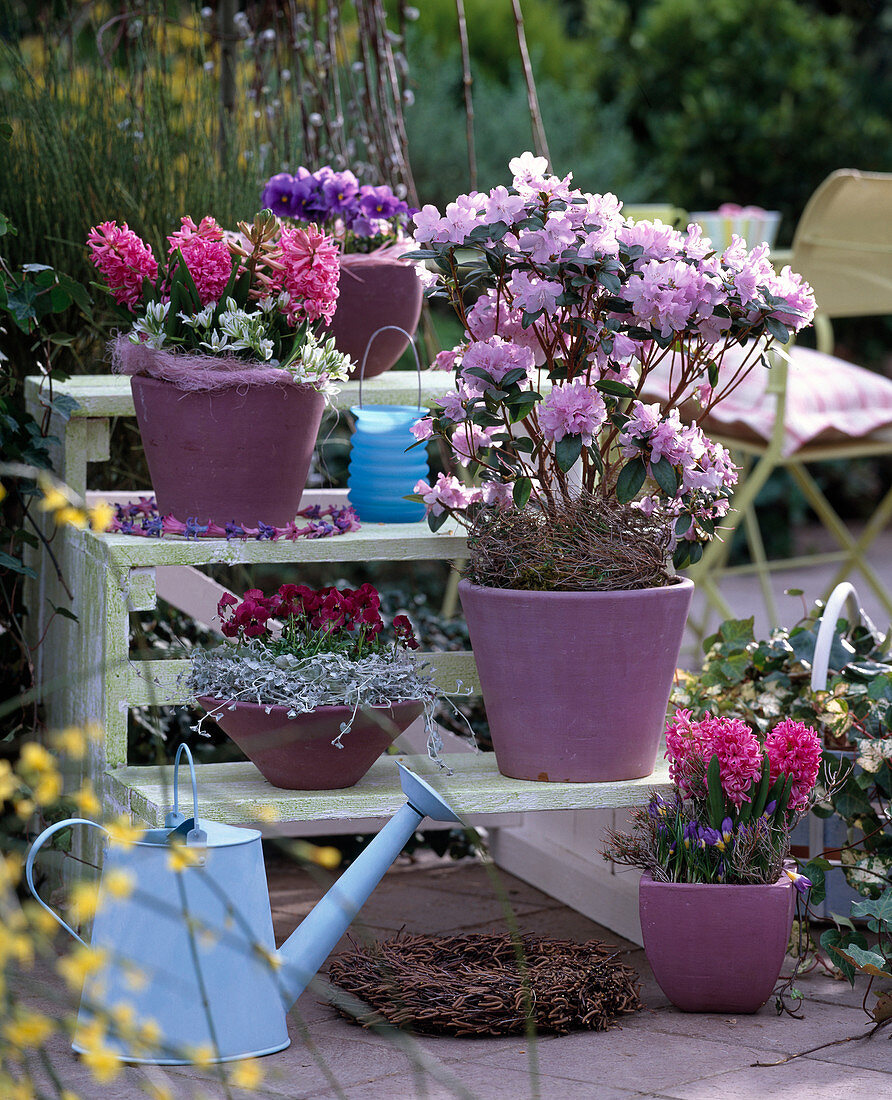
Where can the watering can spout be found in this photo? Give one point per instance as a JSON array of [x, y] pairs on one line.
[[307, 948]]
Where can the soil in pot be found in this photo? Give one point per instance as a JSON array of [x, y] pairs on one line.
[[576, 684], [239, 454], [716, 948], [298, 754]]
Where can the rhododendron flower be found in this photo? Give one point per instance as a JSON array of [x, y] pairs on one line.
[[124, 259], [794, 750], [572, 408], [447, 492], [495, 356]]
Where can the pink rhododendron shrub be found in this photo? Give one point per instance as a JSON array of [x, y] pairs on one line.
[[569, 307]]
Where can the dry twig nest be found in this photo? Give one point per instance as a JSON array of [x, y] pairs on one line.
[[474, 985]]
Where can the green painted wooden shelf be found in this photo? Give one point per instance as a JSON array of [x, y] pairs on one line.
[[238, 793]]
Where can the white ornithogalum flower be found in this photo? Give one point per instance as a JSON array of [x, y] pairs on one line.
[[268, 304], [216, 342], [320, 361]]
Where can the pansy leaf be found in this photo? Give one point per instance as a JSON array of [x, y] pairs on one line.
[[631, 478], [567, 451]]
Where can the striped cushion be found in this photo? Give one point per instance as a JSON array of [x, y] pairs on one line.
[[828, 400]]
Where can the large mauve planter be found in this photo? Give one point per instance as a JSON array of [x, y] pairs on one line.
[[576, 684], [239, 454], [298, 754], [716, 948], [375, 291]]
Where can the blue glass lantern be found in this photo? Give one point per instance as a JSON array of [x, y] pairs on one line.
[[382, 469]]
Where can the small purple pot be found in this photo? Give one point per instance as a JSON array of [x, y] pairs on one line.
[[297, 753], [576, 684], [232, 455], [716, 948], [375, 291]]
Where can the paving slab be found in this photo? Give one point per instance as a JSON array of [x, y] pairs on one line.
[[802, 1078]]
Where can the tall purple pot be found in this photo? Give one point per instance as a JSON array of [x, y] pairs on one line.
[[375, 291], [231, 455], [576, 684], [716, 948]]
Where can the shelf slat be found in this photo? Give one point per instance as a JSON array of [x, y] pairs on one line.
[[237, 793]]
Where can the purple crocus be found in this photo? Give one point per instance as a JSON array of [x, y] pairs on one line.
[[800, 882]]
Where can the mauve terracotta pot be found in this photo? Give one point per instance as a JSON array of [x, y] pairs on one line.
[[375, 291], [297, 753], [576, 684], [716, 948], [232, 455]]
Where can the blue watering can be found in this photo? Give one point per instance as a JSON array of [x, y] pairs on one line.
[[191, 950], [382, 470]]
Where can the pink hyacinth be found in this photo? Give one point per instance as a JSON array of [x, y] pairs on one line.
[[794, 749], [124, 259], [685, 750], [310, 271], [206, 256], [690, 746], [572, 408]]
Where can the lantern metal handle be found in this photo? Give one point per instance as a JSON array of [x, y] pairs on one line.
[[365, 355]]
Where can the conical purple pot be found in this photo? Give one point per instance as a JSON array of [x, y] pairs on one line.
[[230, 455], [298, 754], [576, 684], [375, 291], [716, 948]]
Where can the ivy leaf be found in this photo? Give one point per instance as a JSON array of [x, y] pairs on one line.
[[631, 478], [832, 940], [868, 962], [7, 561]]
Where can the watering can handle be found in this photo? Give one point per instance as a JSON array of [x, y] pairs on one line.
[[835, 601], [365, 355], [29, 864], [196, 835]]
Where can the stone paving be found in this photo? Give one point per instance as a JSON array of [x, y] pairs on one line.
[[658, 1052]]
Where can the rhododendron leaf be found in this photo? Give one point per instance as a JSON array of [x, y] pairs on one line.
[[614, 388], [682, 525], [479, 372], [567, 451], [512, 376], [436, 522], [609, 281], [631, 478], [527, 319], [519, 405], [523, 487], [779, 331], [712, 373], [666, 476]]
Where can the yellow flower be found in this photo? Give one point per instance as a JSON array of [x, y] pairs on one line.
[[272, 958], [158, 1090], [150, 1034], [102, 1063], [101, 515], [86, 801], [84, 901], [123, 1016], [201, 1056], [71, 741], [119, 883], [67, 1094], [39, 919], [122, 831], [53, 497], [28, 1029], [71, 517], [48, 789], [11, 869], [246, 1075], [2, 492], [182, 856], [80, 963], [24, 807], [35, 758], [15, 945], [134, 978]]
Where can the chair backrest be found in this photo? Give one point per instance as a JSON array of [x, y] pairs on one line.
[[843, 244]]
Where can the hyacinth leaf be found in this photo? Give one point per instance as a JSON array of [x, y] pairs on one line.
[[631, 478], [832, 940], [567, 451], [760, 799], [868, 962], [783, 799], [715, 798]]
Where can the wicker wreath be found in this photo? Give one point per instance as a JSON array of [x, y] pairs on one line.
[[486, 985]]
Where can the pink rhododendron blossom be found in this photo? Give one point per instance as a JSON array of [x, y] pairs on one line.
[[794, 750], [798, 295], [423, 428], [658, 241], [496, 356], [532, 293], [124, 259], [503, 206], [311, 267], [499, 494], [447, 492], [206, 256], [469, 439], [600, 242], [445, 360], [572, 408], [452, 404], [429, 226], [492, 316]]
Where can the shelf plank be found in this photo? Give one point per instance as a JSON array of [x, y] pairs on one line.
[[237, 793], [100, 396]]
